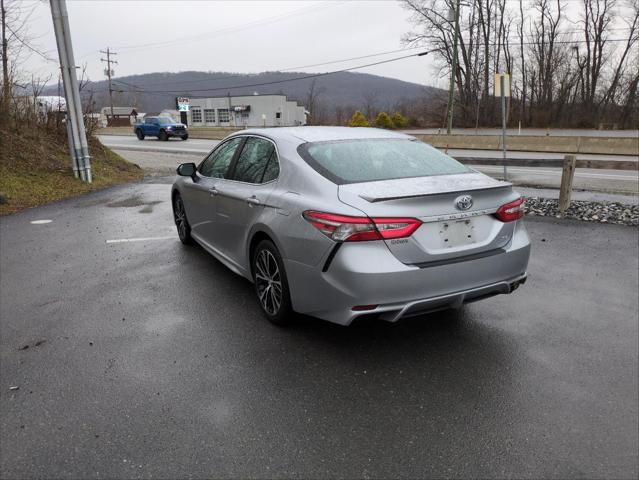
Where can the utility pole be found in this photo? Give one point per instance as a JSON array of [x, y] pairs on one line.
[[75, 119], [6, 89], [453, 71], [109, 73]]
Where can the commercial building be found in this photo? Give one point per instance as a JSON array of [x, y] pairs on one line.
[[246, 111]]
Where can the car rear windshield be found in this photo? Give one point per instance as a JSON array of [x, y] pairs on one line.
[[369, 160]]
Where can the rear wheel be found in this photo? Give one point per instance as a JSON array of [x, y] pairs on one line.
[[163, 136], [139, 134], [271, 284], [182, 224]]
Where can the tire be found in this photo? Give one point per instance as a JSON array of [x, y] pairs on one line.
[[184, 137], [163, 136], [271, 284], [139, 134], [181, 222]]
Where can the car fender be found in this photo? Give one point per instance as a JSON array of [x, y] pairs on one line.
[[255, 230]]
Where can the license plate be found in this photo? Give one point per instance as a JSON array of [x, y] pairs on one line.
[[456, 233]]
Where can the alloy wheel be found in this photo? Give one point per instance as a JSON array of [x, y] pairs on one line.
[[268, 281], [180, 217]]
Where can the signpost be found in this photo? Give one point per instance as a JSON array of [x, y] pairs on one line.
[[183, 105], [502, 89]]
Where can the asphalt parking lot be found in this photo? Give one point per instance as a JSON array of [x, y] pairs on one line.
[[136, 357]]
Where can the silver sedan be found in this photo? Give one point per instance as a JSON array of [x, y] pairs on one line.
[[340, 223]]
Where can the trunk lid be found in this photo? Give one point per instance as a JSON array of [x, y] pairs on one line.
[[448, 232]]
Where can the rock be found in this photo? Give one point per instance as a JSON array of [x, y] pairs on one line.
[[602, 212]]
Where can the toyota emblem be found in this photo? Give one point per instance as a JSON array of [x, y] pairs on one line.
[[464, 202]]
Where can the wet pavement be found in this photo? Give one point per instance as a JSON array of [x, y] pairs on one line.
[[136, 357]]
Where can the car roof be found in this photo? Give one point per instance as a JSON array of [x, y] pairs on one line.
[[322, 134]]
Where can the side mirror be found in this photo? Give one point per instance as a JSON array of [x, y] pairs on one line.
[[186, 170]]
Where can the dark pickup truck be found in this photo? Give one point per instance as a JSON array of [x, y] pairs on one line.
[[161, 127]]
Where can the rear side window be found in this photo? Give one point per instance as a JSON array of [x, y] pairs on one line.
[[369, 160], [217, 163], [254, 161]]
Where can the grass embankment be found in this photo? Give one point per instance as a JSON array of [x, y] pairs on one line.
[[35, 168]]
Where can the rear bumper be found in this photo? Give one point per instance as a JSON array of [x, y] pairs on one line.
[[392, 313], [368, 273]]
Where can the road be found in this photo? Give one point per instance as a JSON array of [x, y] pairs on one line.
[[147, 359], [163, 157], [201, 147]]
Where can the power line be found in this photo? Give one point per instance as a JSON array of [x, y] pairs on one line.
[[235, 75], [349, 59], [274, 82]]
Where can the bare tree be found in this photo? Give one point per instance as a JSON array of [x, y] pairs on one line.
[[369, 105], [546, 57], [312, 101], [5, 59], [17, 46], [612, 95]]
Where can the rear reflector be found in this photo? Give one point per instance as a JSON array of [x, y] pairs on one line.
[[511, 211], [342, 228], [363, 308]]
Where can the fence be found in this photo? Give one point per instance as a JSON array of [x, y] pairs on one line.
[[568, 164]]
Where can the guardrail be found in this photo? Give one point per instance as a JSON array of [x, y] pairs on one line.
[[568, 165], [528, 143], [555, 162]]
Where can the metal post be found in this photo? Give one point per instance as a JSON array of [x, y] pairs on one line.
[[74, 160], [74, 139], [453, 71], [567, 176], [503, 122], [75, 92]]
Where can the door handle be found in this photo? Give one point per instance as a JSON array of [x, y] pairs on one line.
[[213, 191], [253, 200]]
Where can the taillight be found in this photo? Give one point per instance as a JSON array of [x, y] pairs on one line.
[[511, 211], [342, 228]]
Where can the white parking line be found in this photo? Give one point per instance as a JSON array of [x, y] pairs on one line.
[[140, 239], [40, 222]]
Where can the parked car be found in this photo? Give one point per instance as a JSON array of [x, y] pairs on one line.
[[161, 127], [339, 222]]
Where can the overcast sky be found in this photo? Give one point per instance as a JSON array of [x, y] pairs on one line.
[[236, 36]]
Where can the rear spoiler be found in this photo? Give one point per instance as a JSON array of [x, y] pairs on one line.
[[385, 199], [385, 190]]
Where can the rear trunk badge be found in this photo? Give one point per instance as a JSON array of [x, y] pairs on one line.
[[464, 202]]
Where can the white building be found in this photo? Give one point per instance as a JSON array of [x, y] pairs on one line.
[[246, 111]]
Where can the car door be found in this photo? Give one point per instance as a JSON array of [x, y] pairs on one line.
[[200, 196], [151, 127], [243, 197]]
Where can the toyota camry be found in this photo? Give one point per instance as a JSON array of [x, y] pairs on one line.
[[338, 223]]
